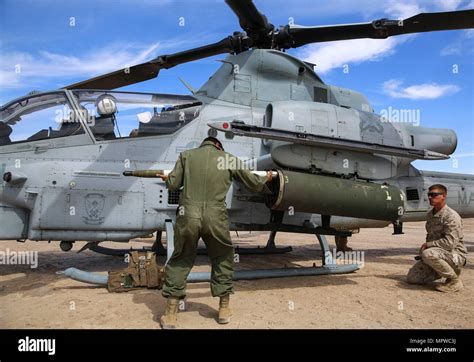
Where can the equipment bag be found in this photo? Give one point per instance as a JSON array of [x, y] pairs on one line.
[[142, 271]]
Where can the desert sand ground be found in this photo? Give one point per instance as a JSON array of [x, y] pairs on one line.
[[376, 296]]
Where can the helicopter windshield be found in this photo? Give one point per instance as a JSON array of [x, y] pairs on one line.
[[37, 117], [115, 114]]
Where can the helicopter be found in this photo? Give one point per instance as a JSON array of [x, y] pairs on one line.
[[338, 166]]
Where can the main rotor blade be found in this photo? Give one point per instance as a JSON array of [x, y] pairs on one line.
[[119, 78], [149, 70], [250, 19], [293, 36]]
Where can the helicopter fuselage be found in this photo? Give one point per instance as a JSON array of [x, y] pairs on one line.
[[69, 185]]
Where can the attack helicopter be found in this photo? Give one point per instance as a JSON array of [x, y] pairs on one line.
[[338, 166]]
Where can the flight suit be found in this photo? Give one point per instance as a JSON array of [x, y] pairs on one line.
[[445, 250], [206, 174]]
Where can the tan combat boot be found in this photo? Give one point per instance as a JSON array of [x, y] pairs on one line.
[[451, 285], [224, 311], [170, 319]]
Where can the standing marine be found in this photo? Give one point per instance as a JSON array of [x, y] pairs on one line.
[[205, 173]]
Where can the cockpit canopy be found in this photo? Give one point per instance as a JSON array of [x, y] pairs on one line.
[[36, 117], [109, 115], [122, 114]]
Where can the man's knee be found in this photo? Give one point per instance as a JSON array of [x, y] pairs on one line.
[[429, 255], [436, 256], [432, 257]]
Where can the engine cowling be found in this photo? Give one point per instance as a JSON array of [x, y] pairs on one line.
[[336, 122]]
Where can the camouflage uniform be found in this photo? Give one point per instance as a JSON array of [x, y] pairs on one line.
[[445, 253], [202, 213]]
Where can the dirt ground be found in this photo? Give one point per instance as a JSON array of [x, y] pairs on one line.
[[376, 296]]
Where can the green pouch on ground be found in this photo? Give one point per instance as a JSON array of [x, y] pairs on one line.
[[120, 281]]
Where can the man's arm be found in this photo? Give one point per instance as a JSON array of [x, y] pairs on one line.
[[250, 180], [175, 178], [452, 234]]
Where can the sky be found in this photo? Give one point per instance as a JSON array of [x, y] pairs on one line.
[[47, 44]]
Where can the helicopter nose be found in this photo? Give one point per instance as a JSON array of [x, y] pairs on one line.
[[449, 142], [436, 139], [455, 143]]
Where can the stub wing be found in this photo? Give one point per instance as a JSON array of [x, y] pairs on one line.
[[239, 128]]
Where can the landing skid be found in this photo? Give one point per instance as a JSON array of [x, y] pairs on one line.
[[329, 265]]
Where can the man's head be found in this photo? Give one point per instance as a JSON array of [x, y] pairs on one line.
[[215, 141], [437, 195]]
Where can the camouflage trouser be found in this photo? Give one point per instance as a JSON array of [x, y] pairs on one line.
[[436, 263], [212, 225]]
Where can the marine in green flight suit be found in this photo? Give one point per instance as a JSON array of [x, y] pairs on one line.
[[205, 173]]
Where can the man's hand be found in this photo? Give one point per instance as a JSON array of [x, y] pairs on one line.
[[162, 176], [423, 247], [269, 176]]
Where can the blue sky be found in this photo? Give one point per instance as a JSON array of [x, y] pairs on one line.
[[40, 50]]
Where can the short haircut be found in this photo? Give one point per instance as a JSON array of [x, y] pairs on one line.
[[214, 140], [439, 187]]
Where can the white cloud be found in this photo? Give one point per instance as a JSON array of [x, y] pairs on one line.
[[461, 46], [452, 49], [9, 79], [447, 5], [399, 10], [43, 67], [409, 8], [393, 87], [332, 55], [366, 9], [46, 65], [315, 11], [336, 54], [469, 33]]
